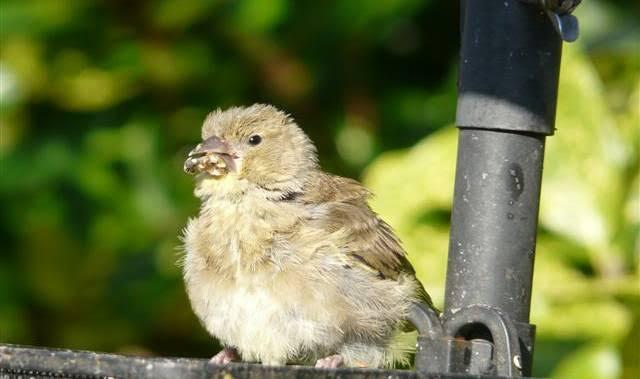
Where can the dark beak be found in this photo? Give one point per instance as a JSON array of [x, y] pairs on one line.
[[211, 145]]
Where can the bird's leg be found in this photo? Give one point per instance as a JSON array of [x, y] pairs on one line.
[[225, 356], [332, 361]]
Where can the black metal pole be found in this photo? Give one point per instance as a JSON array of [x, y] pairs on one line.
[[509, 67]]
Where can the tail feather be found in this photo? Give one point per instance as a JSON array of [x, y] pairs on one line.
[[401, 350]]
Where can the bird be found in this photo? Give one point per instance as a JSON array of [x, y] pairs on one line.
[[284, 262]]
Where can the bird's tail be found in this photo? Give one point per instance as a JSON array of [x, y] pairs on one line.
[[401, 350]]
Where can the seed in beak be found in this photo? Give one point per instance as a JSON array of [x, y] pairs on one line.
[[216, 172]]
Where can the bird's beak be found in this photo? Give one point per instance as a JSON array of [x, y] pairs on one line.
[[214, 155], [212, 145]]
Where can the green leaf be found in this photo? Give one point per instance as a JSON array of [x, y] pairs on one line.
[[582, 185], [590, 362]]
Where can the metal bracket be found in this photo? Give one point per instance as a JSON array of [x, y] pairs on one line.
[[559, 12], [477, 339]]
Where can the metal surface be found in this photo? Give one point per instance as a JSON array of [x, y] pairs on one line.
[[494, 221], [475, 340], [509, 67], [28, 362], [504, 344], [426, 321]]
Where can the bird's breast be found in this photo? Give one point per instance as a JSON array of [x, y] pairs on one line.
[[246, 235]]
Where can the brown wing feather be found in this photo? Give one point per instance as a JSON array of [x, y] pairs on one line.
[[371, 243], [371, 240]]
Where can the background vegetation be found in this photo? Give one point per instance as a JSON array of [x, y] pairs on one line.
[[100, 100]]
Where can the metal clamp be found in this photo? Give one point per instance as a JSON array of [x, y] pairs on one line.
[[559, 12], [566, 24], [473, 319], [477, 339]]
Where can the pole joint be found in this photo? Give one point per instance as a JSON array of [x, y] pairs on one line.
[[474, 340]]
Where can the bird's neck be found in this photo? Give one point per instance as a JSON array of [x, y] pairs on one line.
[[243, 225], [235, 189], [226, 188]]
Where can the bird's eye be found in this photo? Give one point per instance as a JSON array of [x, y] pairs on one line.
[[255, 139]]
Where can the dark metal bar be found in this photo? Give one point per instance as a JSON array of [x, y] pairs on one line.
[[30, 362], [509, 68], [493, 236]]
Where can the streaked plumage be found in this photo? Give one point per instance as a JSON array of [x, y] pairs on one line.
[[286, 263]]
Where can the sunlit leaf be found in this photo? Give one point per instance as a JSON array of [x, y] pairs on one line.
[[591, 362]]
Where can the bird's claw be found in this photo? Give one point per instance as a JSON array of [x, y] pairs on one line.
[[224, 357], [332, 361]]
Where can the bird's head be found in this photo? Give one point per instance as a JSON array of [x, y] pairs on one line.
[[257, 146]]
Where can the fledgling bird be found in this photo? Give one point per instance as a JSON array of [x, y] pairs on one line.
[[287, 263]]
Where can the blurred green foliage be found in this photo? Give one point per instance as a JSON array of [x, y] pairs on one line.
[[100, 100]]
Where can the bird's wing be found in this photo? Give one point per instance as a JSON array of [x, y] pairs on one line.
[[371, 243]]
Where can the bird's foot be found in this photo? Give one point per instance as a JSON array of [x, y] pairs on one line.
[[224, 357], [332, 361]]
